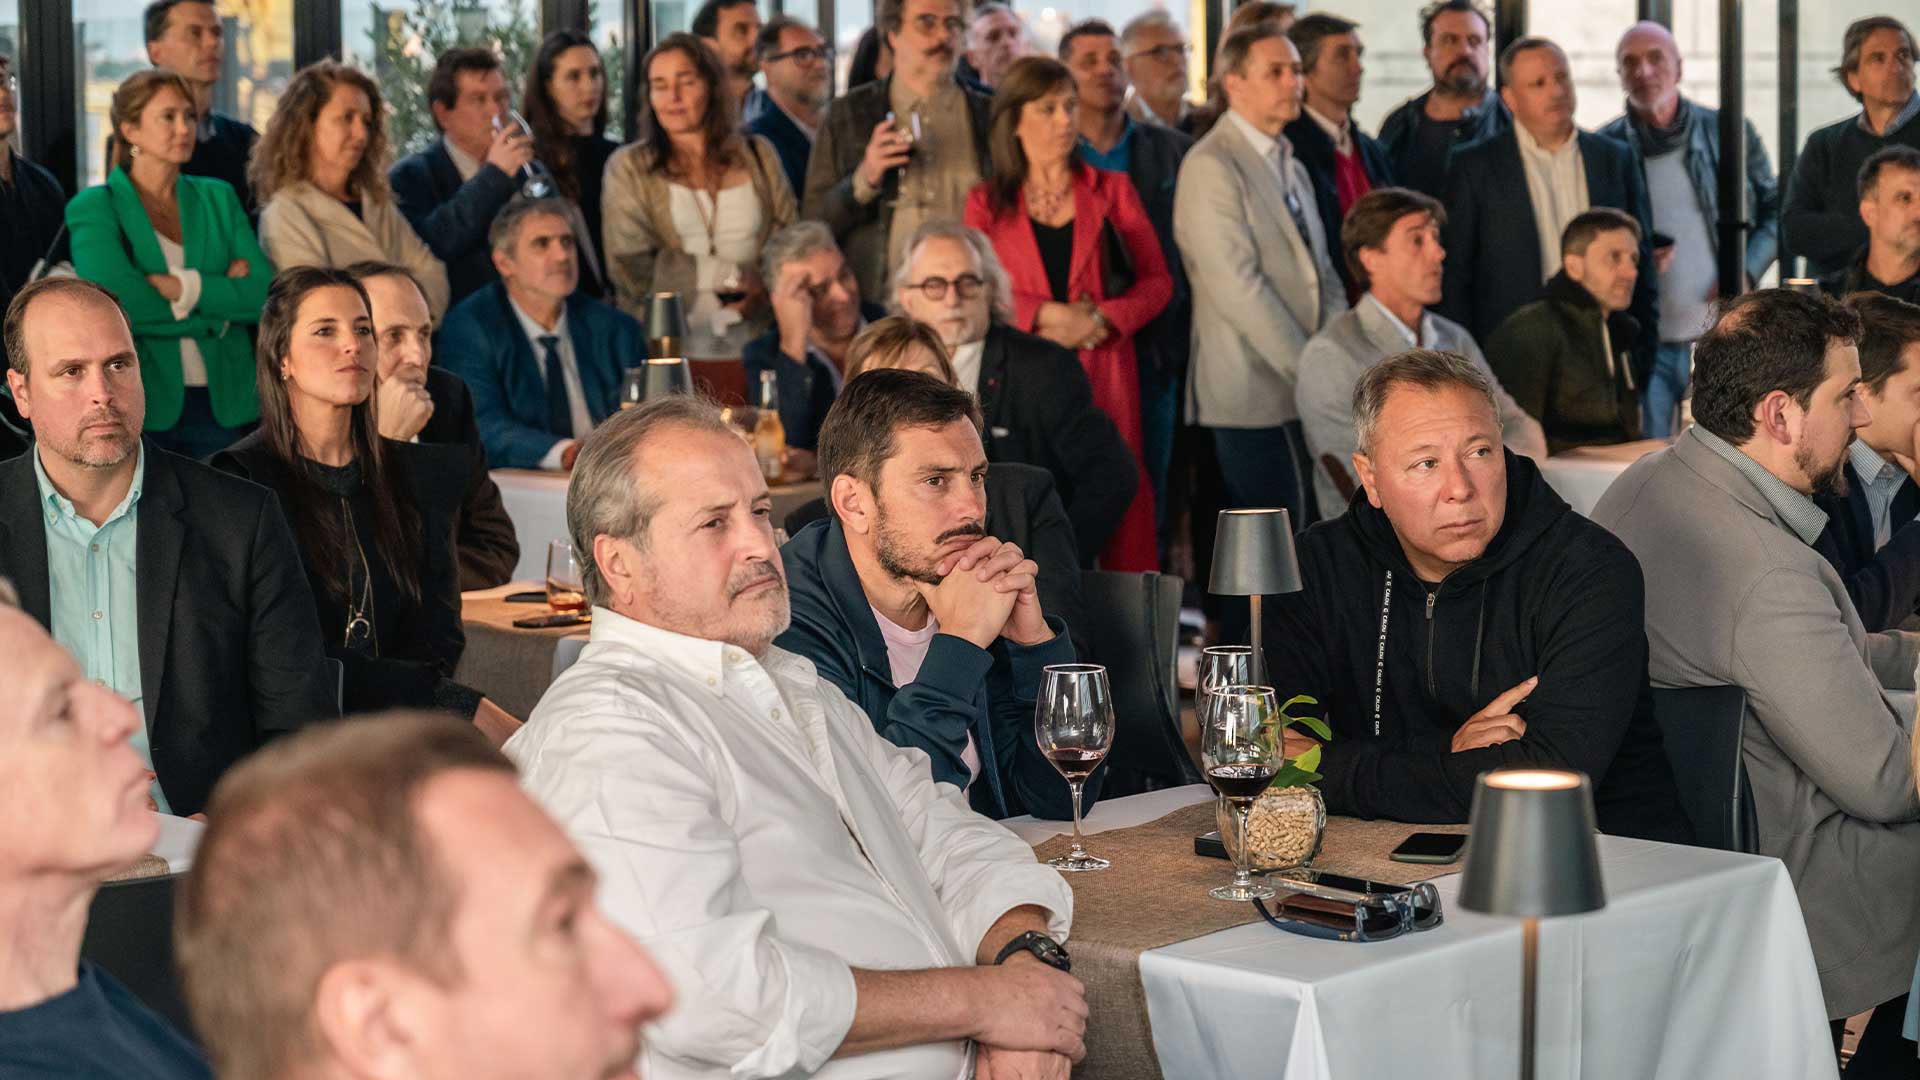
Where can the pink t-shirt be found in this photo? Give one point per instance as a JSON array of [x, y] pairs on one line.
[[906, 651]]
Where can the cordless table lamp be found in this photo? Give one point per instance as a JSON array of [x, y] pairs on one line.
[[1253, 556]]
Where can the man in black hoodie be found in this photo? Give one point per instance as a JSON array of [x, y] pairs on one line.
[[1459, 617]]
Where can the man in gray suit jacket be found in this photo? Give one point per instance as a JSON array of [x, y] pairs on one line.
[[1263, 281], [1723, 524], [1391, 244]]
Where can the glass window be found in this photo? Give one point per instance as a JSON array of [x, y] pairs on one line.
[[604, 23], [399, 45], [1395, 69], [1588, 32], [111, 39], [10, 48], [850, 19]]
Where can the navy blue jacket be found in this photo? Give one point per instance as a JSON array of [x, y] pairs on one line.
[[1154, 166], [1313, 148], [806, 384], [1493, 243], [482, 342], [451, 216], [961, 688], [1400, 137], [1884, 583], [792, 144]]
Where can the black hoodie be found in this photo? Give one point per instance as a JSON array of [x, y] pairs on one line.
[[1554, 595]]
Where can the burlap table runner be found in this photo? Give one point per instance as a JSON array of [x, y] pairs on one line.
[[509, 664], [1155, 894], [145, 866]]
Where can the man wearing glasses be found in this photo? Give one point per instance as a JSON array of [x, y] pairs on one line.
[[32, 204], [816, 313], [1155, 53], [1035, 399], [799, 70]]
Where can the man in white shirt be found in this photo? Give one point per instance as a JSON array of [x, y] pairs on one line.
[[823, 907], [1391, 245]]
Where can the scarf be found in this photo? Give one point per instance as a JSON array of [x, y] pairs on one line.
[[1656, 141]]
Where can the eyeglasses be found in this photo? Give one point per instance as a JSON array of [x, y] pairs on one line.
[[927, 24], [935, 288], [1165, 53], [805, 54]]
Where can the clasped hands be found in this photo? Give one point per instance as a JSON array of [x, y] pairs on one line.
[[1078, 325], [986, 592]]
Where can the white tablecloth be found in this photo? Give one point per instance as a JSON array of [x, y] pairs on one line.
[[1581, 476], [537, 503], [178, 838], [1699, 966]]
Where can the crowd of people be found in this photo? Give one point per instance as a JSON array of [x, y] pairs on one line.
[[1021, 316]]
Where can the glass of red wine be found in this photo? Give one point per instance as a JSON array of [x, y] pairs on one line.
[[729, 283], [1240, 747], [1073, 723]]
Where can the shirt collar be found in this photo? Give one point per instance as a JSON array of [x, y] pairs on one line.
[[59, 506], [1868, 464], [704, 661], [534, 330], [464, 163], [1799, 512], [1424, 337], [204, 129], [1530, 145], [1341, 134], [1263, 143], [1907, 112]]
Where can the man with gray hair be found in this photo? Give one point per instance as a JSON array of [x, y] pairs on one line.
[[1154, 51], [822, 905], [1035, 398], [995, 39], [543, 360], [1462, 618], [816, 312]]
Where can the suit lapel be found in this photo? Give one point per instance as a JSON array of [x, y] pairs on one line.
[[23, 538], [993, 377], [583, 350], [157, 564], [1600, 192], [135, 226], [446, 175], [193, 236], [1090, 211], [525, 373], [1510, 175]]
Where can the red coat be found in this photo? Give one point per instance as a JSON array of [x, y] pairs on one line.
[[1098, 196]]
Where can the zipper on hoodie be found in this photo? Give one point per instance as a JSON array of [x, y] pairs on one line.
[[1433, 596]]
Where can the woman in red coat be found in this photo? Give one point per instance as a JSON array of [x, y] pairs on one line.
[[1086, 267]]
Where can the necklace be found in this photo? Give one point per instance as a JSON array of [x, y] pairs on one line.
[[1045, 206], [359, 633]]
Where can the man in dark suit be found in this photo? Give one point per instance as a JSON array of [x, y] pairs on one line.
[[1110, 138], [451, 191], [1035, 399], [32, 203], [1343, 161], [422, 403], [175, 586], [1511, 197], [186, 37], [854, 179], [1871, 536], [799, 70], [543, 362]]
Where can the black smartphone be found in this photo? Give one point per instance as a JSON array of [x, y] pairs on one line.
[[1429, 847], [531, 596]]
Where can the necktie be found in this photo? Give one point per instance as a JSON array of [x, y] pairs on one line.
[[559, 416]]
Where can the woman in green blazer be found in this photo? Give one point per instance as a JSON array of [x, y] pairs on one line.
[[178, 252]]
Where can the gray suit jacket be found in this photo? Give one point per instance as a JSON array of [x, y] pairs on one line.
[[1735, 597], [1338, 355], [1258, 291]]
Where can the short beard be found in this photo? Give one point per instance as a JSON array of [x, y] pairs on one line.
[[1830, 483], [1469, 84], [98, 453], [894, 552]]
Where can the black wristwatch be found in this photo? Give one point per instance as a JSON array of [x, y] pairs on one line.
[[1044, 949]]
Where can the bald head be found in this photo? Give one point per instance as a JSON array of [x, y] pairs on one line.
[[1648, 59]]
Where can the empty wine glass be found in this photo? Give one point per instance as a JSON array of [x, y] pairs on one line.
[[1220, 665], [1240, 747], [535, 181], [1073, 723]]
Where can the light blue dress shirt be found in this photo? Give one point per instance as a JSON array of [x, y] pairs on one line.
[[1880, 482], [91, 576]]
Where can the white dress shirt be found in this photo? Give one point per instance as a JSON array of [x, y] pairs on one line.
[[967, 360], [464, 163], [1557, 187], [569, 373], [757, 835], [193, 366]]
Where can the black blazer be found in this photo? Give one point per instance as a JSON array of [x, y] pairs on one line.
[[788, 141], [1493, 242], [804, 384], [486, 544], [451, 216], [419, 643], [1039, 410], [1154, 166], [229, 643], [1885, 584], [1314, 149], [828, 196]]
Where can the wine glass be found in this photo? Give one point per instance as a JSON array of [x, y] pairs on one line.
[[535, 181], [566, 593], [1073, 723], [1225, 665], [1240, 746], [729, 283]]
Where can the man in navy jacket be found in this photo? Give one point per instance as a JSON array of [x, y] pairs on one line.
[[905, 602], [515, 339]]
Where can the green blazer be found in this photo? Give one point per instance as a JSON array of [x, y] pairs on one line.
[[114, 245]]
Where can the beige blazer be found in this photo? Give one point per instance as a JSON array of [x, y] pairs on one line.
[[643, 250], [304, 226]]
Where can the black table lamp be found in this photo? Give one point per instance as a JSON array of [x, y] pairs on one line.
[[666, 375], [1253, 556], [666, 325], [1531, 855]]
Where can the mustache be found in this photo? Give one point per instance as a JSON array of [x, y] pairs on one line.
[[758, 573], [973, 530], [104, 414], [944, 52]]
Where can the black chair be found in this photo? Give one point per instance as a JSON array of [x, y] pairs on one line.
[[1702, 727], [1133, 627], [130, 935]]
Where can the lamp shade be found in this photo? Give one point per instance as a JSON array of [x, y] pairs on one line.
[[666, 375], [1253, 554], [1530, 848], [666, 319]]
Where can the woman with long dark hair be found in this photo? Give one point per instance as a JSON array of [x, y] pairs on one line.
[[565, 103], [1085, 263], [374, 517], [692, 202]]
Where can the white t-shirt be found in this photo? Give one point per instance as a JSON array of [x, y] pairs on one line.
[[906, 651]]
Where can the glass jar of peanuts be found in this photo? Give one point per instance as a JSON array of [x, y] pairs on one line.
[[1283, 828]]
